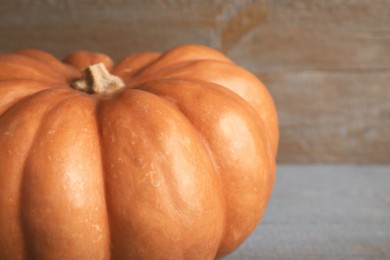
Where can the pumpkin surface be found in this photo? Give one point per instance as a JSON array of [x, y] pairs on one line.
[[178, 162]]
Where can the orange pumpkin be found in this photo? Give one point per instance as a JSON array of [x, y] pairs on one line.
[[160, 156]]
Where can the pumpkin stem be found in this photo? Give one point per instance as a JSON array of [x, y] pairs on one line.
[[98, 80]]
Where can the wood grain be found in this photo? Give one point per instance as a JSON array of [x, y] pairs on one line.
[[326, 62], [329, 117]]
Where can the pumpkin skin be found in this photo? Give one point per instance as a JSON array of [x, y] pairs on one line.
[[178, 164]]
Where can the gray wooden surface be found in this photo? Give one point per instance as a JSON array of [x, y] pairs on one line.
[[324, 212]]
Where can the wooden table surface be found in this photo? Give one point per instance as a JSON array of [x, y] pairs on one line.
[[324, 212]]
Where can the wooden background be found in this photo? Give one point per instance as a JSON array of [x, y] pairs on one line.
[[327, 63]]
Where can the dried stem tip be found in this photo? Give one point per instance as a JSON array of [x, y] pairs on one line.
[[97, 79]]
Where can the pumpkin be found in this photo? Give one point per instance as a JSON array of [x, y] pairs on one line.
[[160, 156]]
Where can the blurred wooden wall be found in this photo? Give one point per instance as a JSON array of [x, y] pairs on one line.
[[327, 63]]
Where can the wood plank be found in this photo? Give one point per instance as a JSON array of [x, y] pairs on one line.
[[324, 212], [332, 117], [309, 34], [115, 27], [258, 34]]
